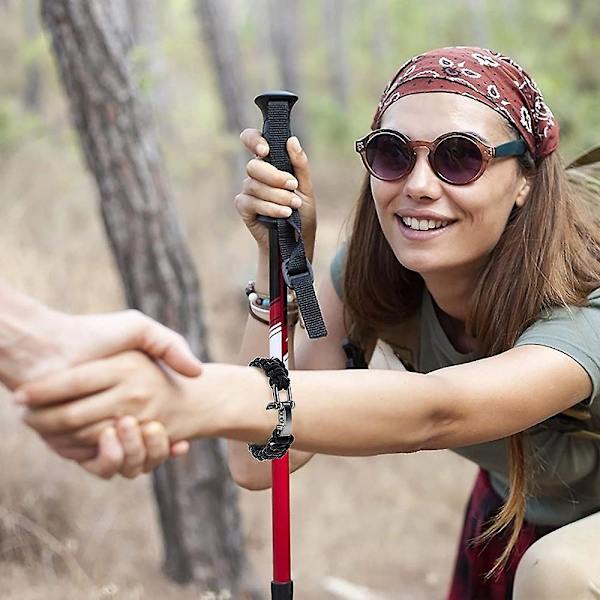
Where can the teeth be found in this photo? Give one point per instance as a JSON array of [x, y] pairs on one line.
[[423, 224]]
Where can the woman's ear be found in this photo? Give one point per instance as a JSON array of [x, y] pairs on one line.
[[523, 191]]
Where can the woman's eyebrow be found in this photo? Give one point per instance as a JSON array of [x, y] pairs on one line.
[[479, 137]]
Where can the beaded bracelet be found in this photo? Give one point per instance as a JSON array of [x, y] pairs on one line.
[[281, 438], [258, 305]]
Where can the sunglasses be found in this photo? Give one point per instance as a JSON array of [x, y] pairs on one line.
[[456, 158]]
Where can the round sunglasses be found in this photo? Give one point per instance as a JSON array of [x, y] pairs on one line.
[[457, 158]]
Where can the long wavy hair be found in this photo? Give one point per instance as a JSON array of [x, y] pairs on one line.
[[547, 256]]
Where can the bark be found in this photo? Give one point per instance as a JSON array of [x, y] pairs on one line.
[[221, 42], [285, 20], [150, 65], [196, 498], [219, 34], [31, 95], [479, 25], [335, 26]]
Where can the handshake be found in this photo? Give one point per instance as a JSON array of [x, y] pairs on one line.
[[102, 390]]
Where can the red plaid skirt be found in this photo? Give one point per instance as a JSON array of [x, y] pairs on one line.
[[473, 562]]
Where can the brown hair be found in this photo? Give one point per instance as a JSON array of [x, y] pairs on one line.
[[547, 256]]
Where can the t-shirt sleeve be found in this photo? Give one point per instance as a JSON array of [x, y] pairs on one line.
[[576, 333], [337, 269]]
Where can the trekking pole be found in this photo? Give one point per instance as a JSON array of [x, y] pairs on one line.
[[288, 268]]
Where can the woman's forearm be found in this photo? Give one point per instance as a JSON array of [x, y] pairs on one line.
[[245, 469], [343, 413]]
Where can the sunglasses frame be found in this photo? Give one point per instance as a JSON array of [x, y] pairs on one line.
[[516, 147]]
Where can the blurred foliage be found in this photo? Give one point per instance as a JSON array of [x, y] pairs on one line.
[[556, 41]]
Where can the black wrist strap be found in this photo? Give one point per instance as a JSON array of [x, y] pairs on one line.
[[281, 437], [297, 270]]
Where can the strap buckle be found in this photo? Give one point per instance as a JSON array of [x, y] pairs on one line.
[[289, 278]]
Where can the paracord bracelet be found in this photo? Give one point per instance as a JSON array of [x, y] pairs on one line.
[[281, 438]]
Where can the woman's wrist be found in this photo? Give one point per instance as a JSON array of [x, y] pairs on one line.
[[239, 408], [226, 401]]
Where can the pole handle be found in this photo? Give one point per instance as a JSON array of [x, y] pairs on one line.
[[276, 108]]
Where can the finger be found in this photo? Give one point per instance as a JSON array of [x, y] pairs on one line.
[[110, 456], [85, 436], [156, 441], [250, 206], [81, 380], [257, 189], [165, 344], [71, 416], [299, 161], [180, 448], [76, 453], [253, 140], [270, 175], [130, 436]]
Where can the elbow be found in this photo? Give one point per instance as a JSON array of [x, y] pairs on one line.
[[251, 484], [440, 421], [246, 480]]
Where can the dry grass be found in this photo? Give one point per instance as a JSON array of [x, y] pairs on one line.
[[388, 523]]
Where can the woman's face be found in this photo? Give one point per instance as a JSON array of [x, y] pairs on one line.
[[477, 212]]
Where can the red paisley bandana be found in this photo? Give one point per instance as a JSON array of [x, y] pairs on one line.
[[485, 76]]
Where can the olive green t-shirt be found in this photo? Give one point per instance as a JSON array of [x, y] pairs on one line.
[[567, 467]]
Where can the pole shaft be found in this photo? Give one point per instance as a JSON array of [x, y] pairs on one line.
[[278, 347]]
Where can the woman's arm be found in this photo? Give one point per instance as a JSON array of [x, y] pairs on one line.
[[345, 413], [305, 354]]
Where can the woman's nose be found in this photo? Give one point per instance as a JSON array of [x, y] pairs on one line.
[[422, 182]]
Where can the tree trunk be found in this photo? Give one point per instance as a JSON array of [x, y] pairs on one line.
[[149, 64], [285, 20], [218, 31], [334, 19], [33, 73], [196, 498], [221, 42], [481, 33]]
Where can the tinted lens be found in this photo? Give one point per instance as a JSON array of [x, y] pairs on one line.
[[457, 159], [388, 156]]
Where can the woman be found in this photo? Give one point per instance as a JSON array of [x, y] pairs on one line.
[[472, 263]]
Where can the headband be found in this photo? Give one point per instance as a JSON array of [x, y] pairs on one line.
[[485, 76]]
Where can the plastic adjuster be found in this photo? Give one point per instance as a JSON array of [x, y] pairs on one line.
[[289, 278]]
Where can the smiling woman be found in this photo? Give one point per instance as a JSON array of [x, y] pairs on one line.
[[471, 276]]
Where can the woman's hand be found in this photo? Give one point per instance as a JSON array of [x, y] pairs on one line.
[[271, 192], [72, 408], [126, 448]]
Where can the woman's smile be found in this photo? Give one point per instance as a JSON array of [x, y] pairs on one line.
[[422, 229]]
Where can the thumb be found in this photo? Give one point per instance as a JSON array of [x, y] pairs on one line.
[[160, 342], [299, 161]]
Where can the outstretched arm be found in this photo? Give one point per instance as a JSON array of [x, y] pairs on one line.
[[36, 340], [345, 413]]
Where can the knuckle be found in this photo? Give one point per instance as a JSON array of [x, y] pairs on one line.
[[138, 395], [107, 470], [70, 418], [83, 436]]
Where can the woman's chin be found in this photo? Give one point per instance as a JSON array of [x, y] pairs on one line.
[[419, 264]]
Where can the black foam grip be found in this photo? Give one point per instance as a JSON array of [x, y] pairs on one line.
[[276, 108]]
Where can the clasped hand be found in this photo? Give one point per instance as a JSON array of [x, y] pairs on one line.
[[119, 413]]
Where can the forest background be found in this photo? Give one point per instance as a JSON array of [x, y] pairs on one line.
[[387, 525]]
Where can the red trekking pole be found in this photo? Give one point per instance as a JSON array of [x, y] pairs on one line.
[[288, 268]]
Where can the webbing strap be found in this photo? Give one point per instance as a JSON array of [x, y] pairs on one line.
[[297, 270]]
